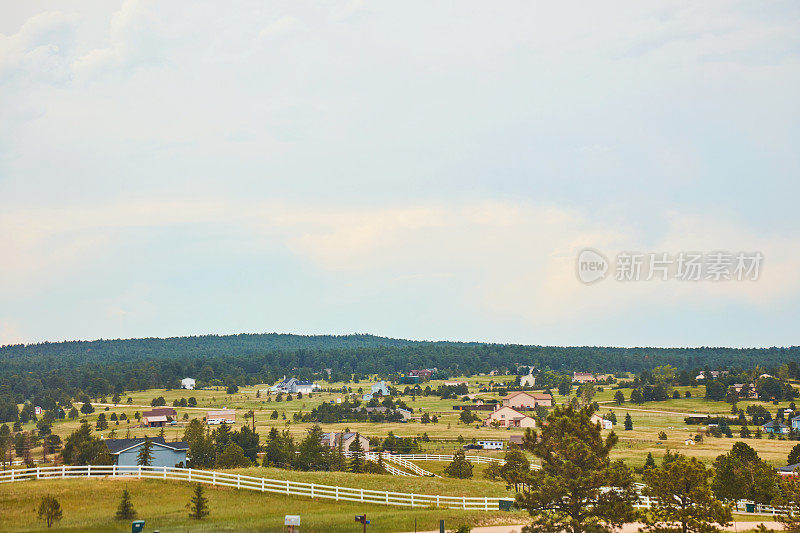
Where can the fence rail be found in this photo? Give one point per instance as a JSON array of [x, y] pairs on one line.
[[275, 486]]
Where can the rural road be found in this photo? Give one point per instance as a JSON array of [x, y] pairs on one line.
[[628, 528]]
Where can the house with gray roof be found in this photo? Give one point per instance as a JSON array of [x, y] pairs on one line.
[[126, 451]]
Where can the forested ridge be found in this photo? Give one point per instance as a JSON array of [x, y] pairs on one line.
[[106, 366]]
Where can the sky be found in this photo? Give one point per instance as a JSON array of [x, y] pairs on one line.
[[408, 169]]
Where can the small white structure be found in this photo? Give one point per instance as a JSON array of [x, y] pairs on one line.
[[491, 444], [38, 411], [527, 381], [689, 442], [188, 383], [221, 416], [294, 385]]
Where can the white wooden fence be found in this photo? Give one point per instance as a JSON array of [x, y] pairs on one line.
[[275, 486]]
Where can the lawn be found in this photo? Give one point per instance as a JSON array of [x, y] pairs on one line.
[[89, 505]]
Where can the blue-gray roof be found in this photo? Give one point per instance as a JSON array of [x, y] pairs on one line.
[[116, 446]]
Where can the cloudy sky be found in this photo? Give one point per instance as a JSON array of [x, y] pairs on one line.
[[417, 170]]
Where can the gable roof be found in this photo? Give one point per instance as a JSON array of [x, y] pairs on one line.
[[117, 446], [534, 395], [160, 411]]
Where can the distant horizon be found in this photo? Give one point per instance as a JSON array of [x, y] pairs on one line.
[[406, 339]]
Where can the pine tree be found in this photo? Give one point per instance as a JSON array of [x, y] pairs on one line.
[[125, 511], [628, 422], [49, 510], [145, 457], [459, 467], [650, 462], [357, 451], [198, 505]]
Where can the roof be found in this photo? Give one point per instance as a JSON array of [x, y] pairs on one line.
[[116, 446], [220, 412], [159, 418], [775, 423], [160, 411], [789, 468], [534, 395]]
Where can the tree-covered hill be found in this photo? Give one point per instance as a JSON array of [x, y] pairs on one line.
[[106, 366]]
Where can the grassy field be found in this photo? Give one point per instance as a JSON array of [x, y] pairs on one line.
[[649, 419], [89, 505]]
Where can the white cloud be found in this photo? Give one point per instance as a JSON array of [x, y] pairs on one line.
[[279, 28], [40, 49]]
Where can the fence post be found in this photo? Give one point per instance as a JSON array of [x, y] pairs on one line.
[[312, 490], [437, 501], [190, 475], [214, 478], [465, 502], [12, 473], [63, 471], [362, 494], [113, 470], [88, 470], [412, 500], [337, 493], [238, 481], [165, 471], [486, 503], [37, 472], [263, 488]]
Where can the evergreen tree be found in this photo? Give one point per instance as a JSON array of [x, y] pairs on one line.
[[459, 468], [741, 475], [516, 470], [198, 505], [125, 511], [357, 455], [49, 510], [619, 397], [650, 462], [683, 498], [794, 455], [570, 491], [145, 456], [628, 422]]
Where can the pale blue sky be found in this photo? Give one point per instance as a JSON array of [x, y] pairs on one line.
[[415, 170]]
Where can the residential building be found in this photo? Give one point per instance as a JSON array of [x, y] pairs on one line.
[[126, 451], [795, 422], [689, 442], [188, 383], [424, 374], [158, 417], [381, 389], [774, 426], [221, 416], [508, 417], [790, 470], [293, 386], [454, 383], [346, 439], [527, 400], [515, 440], [527, 381], [583, 377], [605, 424]]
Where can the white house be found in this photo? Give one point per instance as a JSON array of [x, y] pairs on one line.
[[187, 383], [508, 417], [605, 424], [293, 386]]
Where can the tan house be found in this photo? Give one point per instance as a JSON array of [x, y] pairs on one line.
[[527, 400], [346, 439], [509, 418], [604, 424], [158, 417], [583, 377]]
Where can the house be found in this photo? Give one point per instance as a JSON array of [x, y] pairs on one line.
[[507, 417], [795, 422], [773, 426], [527, 381], [158, 417], [406, 414], [38, 411], [689, 442], [455, 383], [294, 386], [126, 451], [187, 383], [604, 424], [424, 374], [334, 440], [527, 400], [515, 440], [746, 390], [221, 416], [790, 470], [583, 377], [491, 444], [714, 374], [381, 389]]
